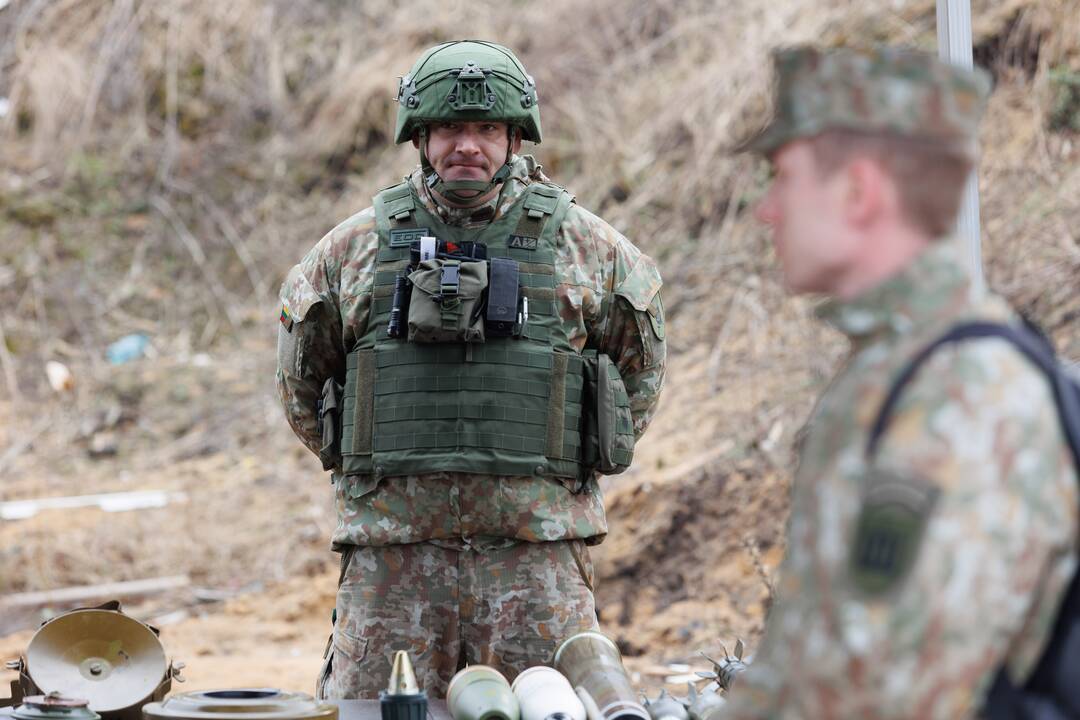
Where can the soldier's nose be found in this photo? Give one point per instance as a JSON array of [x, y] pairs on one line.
[[466, 143]]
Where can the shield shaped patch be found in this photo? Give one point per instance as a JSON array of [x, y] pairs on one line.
[[889, 529]]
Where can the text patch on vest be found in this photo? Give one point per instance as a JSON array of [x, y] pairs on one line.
[[523, 242], [405, 236]]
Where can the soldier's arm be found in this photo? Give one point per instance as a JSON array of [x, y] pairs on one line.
[[309, 344], [332, 282], [972, 484], [634, 334]]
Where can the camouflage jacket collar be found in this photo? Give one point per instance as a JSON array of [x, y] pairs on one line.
[[523, 170], [934, 285]]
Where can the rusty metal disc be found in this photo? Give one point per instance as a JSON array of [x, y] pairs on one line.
[[104, 656], [54, 707]]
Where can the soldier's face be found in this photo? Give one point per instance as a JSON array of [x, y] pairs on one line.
[[468, 150], [806, 212]]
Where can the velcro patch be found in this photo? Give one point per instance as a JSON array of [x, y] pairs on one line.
[[405, 236], [286, 319], [523, 242], [889, 529]]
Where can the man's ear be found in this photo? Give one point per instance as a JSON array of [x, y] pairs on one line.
[[869, 192], [515, 140]]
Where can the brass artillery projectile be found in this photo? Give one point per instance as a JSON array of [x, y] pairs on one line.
[[402, 676]]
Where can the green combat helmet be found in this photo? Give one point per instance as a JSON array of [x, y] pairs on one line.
[[466, 81]]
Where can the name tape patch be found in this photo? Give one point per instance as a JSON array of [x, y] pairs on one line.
[[523, 242], [405, 236]]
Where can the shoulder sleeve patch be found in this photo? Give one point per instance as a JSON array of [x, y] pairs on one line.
[[297, 297], [641, 284], [889, 529]]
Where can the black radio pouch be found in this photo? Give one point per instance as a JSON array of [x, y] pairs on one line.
[[503, 297]]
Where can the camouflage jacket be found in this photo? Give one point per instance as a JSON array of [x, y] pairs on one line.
[[327, 300], [973, 491]]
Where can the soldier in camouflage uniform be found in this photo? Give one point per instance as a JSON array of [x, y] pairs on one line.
[[913, 572], [465, 472]]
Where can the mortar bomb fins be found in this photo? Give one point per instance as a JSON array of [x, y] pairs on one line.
[[666, 707]]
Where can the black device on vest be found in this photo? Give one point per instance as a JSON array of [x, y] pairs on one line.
[[503, 297], [1053, 690], [466, 251]]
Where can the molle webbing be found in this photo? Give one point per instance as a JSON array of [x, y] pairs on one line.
[[357, 410], [508, 406]]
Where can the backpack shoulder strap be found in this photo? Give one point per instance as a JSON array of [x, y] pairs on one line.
[[1051, 689], [1025, 339]]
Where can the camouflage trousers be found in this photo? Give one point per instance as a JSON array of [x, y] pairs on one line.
[[507, 607]]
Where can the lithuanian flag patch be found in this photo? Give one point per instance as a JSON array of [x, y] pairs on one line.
[[286, 319]]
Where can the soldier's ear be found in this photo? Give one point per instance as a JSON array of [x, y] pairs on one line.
[[868, 192], [515, 140]]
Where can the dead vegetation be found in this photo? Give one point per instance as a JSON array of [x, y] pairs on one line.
[[162, 164]]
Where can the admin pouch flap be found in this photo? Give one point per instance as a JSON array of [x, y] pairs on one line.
[[446, 301]]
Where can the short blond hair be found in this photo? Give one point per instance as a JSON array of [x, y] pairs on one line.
[[930, 179]]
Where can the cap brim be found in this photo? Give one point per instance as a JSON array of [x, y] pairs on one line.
[[762, 142]]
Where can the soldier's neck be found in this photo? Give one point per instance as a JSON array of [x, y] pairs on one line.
[[885, 252]]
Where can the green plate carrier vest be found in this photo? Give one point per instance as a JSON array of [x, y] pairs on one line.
[[507, 406]]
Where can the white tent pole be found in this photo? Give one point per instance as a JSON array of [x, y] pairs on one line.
[[954, 46]]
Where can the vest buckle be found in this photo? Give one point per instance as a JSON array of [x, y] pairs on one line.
[[449, 280]]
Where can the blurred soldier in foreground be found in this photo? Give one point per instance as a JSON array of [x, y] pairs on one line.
[[918, 568], [465, 356]]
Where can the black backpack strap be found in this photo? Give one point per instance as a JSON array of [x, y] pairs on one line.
[[1027, 340], [1052, 692]]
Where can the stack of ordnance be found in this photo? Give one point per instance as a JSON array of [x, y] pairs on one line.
[[100, 664]]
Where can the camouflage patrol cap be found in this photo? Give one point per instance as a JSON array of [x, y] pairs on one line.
[[880, 90]]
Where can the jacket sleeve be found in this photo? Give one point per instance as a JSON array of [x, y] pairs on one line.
[[910, 580], [310, 347], [635, 336]]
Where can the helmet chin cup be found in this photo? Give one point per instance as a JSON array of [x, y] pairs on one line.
[[474, 189]]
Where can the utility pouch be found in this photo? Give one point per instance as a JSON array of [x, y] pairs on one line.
[[609, 426], [446, 303], [503, 298], [330, 424]]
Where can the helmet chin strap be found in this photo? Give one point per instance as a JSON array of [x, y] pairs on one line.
[[452, 189]]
